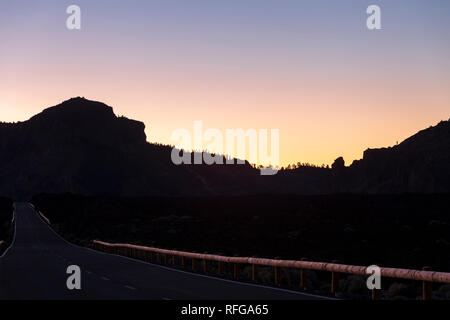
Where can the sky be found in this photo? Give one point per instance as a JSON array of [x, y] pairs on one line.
[[311, 69]]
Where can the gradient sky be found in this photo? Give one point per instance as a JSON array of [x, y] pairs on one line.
[[310, 68]]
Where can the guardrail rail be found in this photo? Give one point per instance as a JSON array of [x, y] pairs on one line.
[[163, 255]]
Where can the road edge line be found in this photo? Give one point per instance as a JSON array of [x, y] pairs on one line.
[[14, 235]]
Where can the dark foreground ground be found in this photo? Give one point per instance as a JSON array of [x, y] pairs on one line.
[[407, 231]]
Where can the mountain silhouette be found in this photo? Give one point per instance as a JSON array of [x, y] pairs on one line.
[[81, 146], [419, 164]]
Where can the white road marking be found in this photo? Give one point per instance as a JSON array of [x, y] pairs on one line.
[[104, 278], [130, 287]]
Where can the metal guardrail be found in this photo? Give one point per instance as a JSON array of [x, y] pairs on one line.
[[40, 213], [44, 217], [146, 253]]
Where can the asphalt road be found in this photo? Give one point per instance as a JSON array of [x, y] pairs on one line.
[[35, 265]]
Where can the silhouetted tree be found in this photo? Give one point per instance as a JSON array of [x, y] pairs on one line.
[[339, 163]]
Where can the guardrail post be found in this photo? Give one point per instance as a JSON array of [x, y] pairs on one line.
[[277, 275], [376, 294], [236, 271], [303, 277], [205, 266], [158, 257], [427, 287], [220, 268], [193, 264], [183, 262], [335, 278], [254, 272], [165, 258], [174, 260]]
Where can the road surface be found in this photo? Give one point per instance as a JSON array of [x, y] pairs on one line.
[[35, 266]]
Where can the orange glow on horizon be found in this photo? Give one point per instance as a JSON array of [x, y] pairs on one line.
[[329, 85]]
